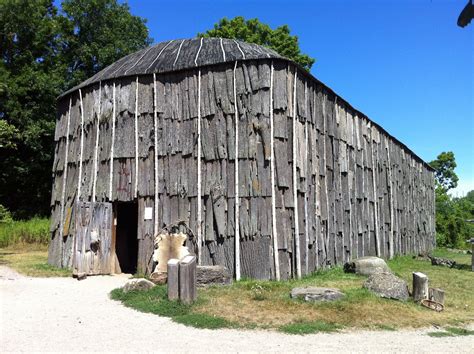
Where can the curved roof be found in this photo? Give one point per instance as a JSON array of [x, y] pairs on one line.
[[178, 55]]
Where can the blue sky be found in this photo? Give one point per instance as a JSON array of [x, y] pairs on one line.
[[404, 63]]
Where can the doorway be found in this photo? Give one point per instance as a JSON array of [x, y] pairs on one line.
[[126, 242]]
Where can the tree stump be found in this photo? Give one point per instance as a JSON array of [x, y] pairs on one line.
[[173, 279], [187, 280], [436, 295], [420, 286]]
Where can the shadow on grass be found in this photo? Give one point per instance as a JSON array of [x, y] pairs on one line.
[[451, 332]]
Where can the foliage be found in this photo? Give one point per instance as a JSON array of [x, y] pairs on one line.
[[452, 230], [444, 165], [241, 305], [33, 231], [43, 52], [5, 215], [254, 31]]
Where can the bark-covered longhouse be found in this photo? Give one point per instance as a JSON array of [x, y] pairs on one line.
[[317, 183]]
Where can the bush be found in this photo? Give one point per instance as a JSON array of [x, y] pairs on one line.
[[33, 231], [5, 215]]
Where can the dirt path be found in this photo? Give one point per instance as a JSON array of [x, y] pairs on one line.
[[62, 314]]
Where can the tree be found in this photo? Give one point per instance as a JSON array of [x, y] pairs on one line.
[[97, 33], [444, 165], [43, 52], [254, 31]]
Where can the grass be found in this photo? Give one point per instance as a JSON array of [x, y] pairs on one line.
[[18, 233], [31, 260], [452, 332], [266, 304]]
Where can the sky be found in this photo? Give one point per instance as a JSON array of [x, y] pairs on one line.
[[404, 63]]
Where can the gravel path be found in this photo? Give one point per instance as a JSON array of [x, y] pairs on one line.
[[63, 314]]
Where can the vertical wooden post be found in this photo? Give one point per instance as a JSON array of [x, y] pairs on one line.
[[136, 138], [376, 216], [79, 179], [390, 185], [187, 280], [272, 171], [295, 184], [155, 123], [199, 197], [420, 286], [96, 148], [237, 201], [112, 143], [66, 153], [306, 224], [173, 279]]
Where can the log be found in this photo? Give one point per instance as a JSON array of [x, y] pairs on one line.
[[173, 279], [420, 286], [437, 295], [187, 280]]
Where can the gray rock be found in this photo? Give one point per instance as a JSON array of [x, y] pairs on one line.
[[137, 284], [213, 275], [316, 294], [444, 262], [366, 266], [387, 285]]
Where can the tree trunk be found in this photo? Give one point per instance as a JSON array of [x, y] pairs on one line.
[[420, 286]]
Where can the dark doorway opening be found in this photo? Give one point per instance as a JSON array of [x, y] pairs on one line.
[[126, 242]]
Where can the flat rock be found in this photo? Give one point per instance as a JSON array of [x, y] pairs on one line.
[[444, 262], [316, 294], [366, 266], [137, 284], [387, 285], [213, 275]]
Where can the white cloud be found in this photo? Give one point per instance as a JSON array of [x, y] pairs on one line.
[[463, 187]]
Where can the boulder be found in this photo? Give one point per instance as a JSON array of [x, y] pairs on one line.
[[316, 294], [366, 266], [387, 285], [213, 275], [137, 284], [444, 262]]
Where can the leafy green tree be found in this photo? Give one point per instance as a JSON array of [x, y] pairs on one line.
[[254, 31], [444, 165], [97, 33], [43, 52]]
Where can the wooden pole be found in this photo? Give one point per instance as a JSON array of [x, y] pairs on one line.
[[79, 179], [111, 159], [295, 184], [173, 279], [66, 153], [272, 171], [390, 186], [187, 280], [96, 148], [155, 121], [237, 201], [420, 286], [136, 139], [199, 197], [376, 217], [306, 224]]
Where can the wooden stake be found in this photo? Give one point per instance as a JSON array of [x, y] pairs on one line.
[[237, 201], [96, 148], [136, 138], [376, 216], [272, 171], [66, 153], [79, 179], [155, 120], [295, 184], [112, 143], [199, 197], [390, 185], [173, 279], [306, 224]]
